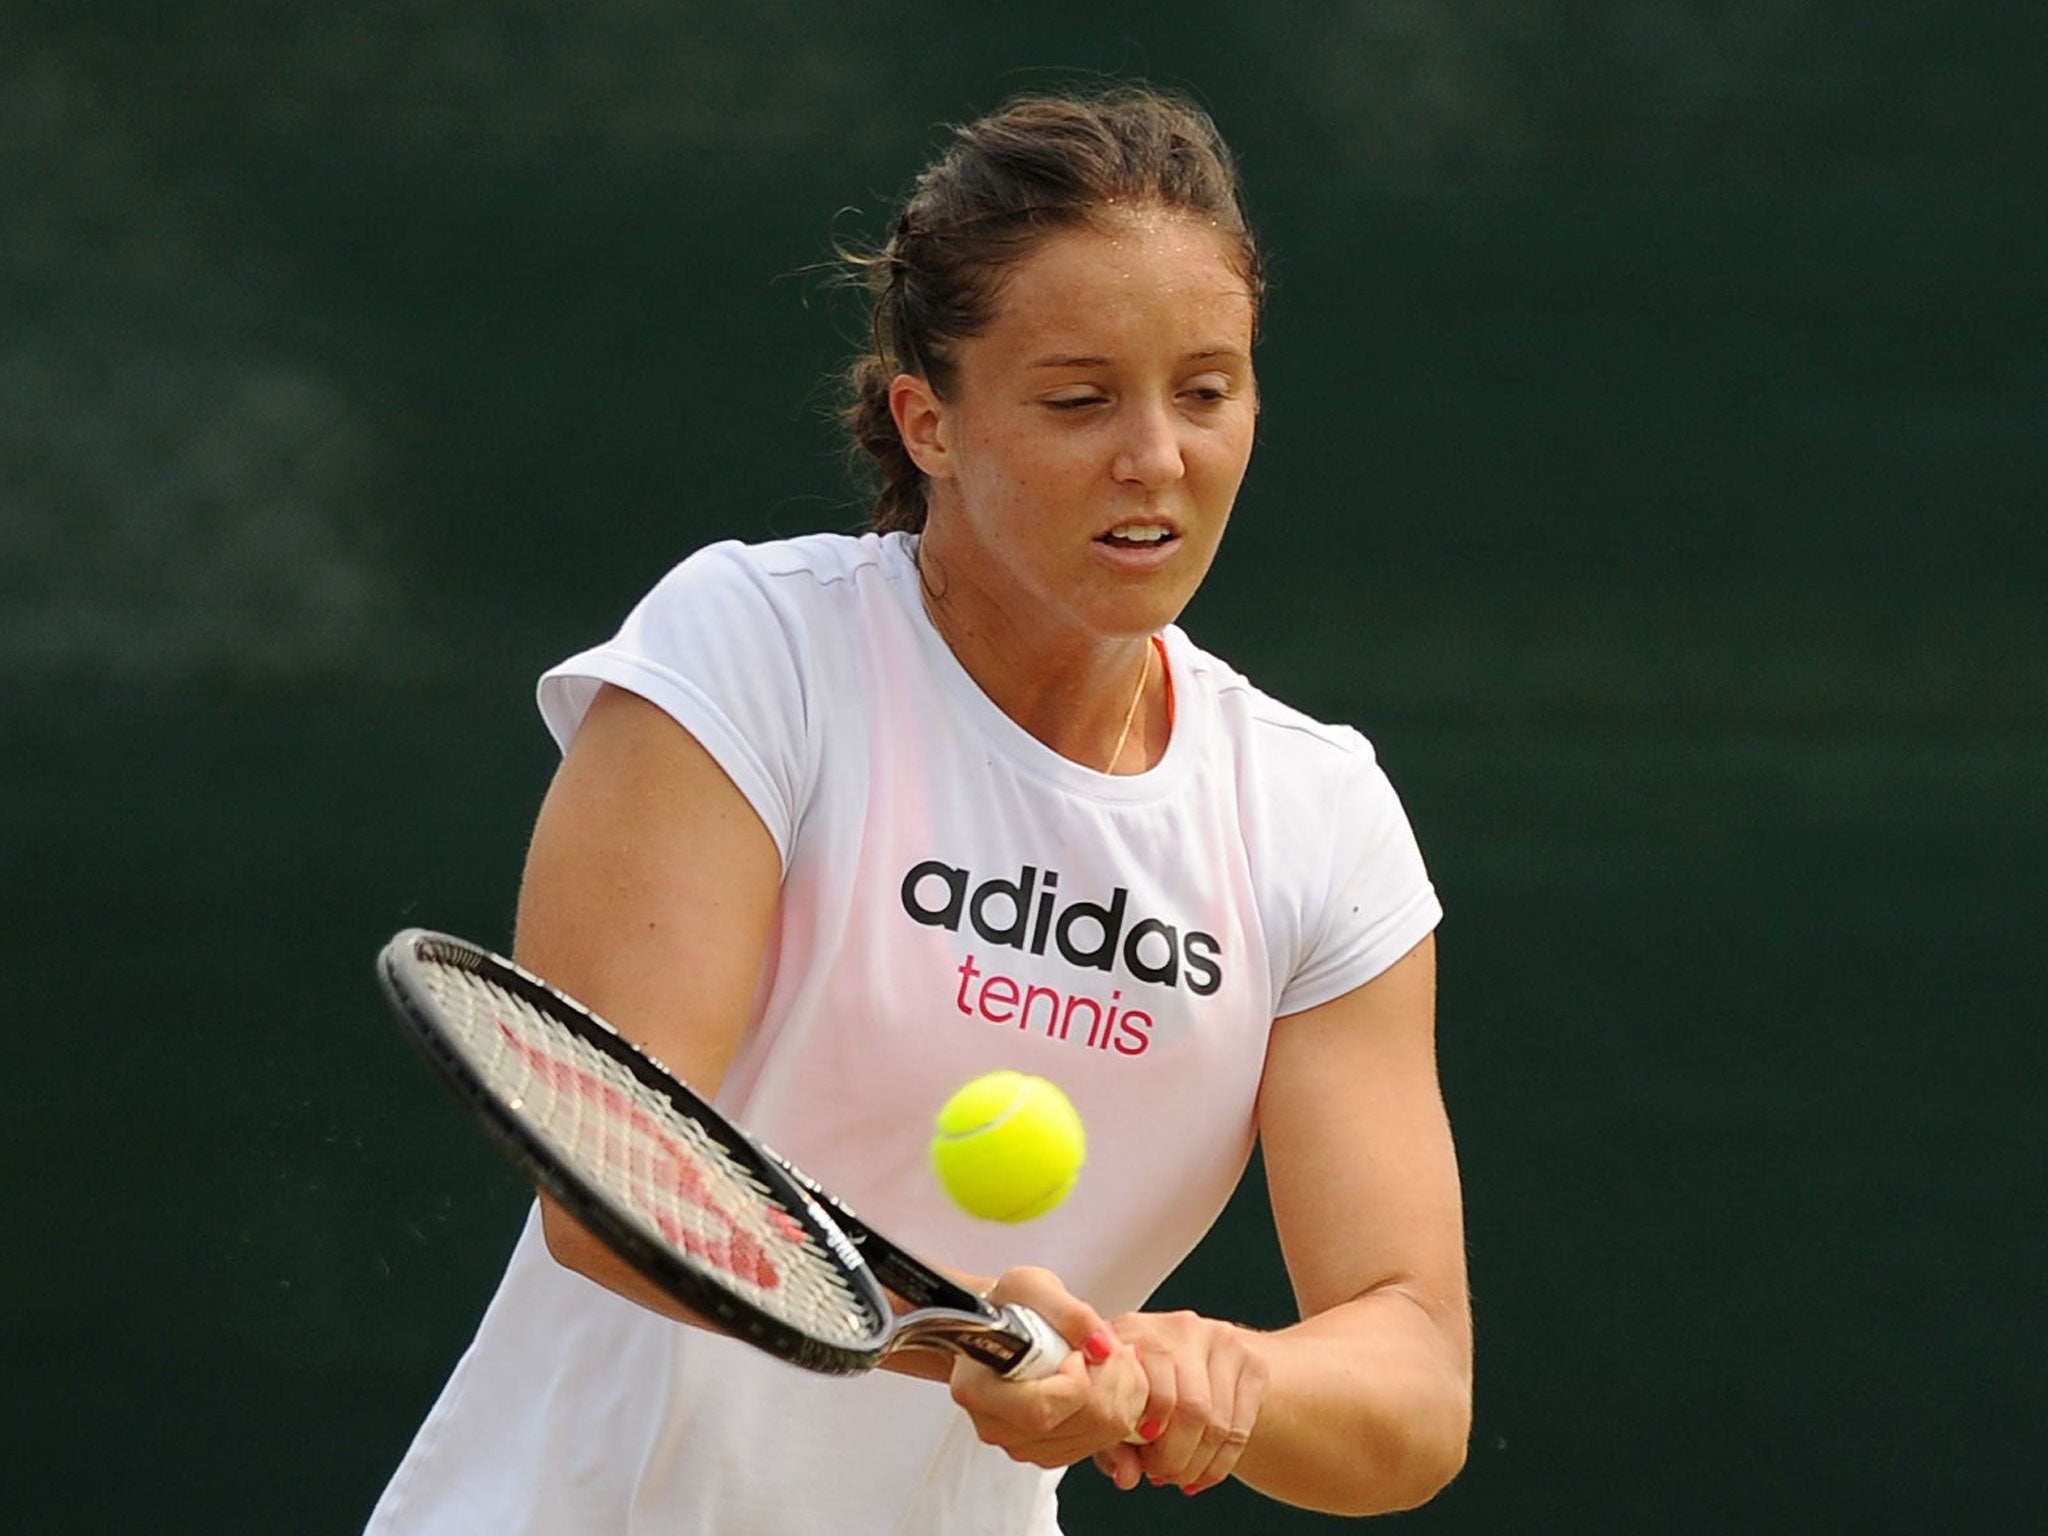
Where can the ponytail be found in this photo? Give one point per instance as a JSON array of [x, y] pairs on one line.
[[899, 499]]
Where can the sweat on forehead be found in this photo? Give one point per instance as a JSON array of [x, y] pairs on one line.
[[1102, 263]]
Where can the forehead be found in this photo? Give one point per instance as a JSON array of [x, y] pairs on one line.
[[1149, 269]]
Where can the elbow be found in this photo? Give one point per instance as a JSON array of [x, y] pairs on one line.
[[1412, 1459], [568, 1242], [1431, 1455], [577, 1249], [1396, 1458], [1427, 1471]]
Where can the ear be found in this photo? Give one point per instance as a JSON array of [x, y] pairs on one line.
[[922, 423]]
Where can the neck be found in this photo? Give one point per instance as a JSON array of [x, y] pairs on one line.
[[1096, 700]]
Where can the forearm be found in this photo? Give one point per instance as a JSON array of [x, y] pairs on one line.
[[576, 1248], [1367, 1407]]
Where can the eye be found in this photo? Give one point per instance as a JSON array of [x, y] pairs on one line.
[[1208, 389], [1076, 401]]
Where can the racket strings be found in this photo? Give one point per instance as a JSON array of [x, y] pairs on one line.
[[671, 1176]]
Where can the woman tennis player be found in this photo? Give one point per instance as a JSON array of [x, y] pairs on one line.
[[843, 822]]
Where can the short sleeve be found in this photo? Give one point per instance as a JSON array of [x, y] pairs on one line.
[[1377, 901], [715, 646]]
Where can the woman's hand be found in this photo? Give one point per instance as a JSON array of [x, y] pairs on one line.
[[1206, 1385], [1093, 1401]]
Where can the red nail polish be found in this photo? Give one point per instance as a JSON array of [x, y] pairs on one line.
[[1099, 1345], [1149, 1430]]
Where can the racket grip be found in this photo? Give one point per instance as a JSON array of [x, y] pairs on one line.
[[1047, 1349]]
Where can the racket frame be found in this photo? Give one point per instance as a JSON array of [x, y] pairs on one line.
[[1010, 1340]]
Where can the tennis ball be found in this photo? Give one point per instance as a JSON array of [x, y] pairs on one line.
[[1008, 1146]]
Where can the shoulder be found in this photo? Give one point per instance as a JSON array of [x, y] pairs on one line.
[[788, 569], [756, 650], [796, 594], [746, 626], [1338, 876], [1273, 740], [824, 558]]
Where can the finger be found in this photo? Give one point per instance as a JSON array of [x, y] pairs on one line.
[[1162, 1394], [1171, 1424], [1171, 1458], [1240, 1393], [1010, 1412], [1200, 1429], [1053, 1420], [1200, 1469], [1120, 1464], [1075, 1321]]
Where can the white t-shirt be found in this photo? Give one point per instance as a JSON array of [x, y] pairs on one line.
[[957, 897]]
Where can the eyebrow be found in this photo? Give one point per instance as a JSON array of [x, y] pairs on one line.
[[1089, 360]]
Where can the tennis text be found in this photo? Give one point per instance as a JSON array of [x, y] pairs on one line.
[[1102, 1024]]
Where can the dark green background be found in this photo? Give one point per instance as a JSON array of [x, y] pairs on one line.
[[1652, 463]]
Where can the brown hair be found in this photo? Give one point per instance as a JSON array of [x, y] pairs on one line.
[[1037, 165]]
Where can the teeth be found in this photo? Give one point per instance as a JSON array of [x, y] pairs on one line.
[[1139, 533]]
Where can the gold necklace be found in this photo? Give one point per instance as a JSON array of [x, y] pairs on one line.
[[1124, 735], [1144, 676]]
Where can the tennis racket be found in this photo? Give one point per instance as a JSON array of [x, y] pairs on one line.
[[718, 1221]]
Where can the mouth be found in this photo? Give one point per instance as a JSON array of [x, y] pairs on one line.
[[1139, 535]]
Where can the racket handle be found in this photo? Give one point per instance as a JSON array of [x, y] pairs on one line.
[[1047, 1349]]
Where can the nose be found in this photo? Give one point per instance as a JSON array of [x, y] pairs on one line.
[[1149, 454]]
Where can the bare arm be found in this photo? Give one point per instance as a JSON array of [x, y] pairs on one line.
[[1371, 1398], [649, 894], [1365, 1404]]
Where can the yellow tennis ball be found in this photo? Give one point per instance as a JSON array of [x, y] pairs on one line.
[[1008, 1146]]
